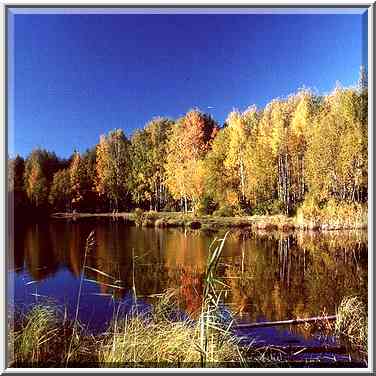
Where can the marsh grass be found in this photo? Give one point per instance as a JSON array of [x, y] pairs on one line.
[[212, 324], [161, 341], [42, 338], [138, 343], [33, 340], [74, 343], [352, 321]]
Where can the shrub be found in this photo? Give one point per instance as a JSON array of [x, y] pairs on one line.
[[148, 223], [308, 214], [169, 207], [152, 214], [205, 206], [138, 216], [224, 211], [331, 214], [272, 207], [352, 321], [161, 222]]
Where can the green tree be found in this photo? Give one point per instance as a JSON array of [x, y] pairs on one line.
[[16, 190]]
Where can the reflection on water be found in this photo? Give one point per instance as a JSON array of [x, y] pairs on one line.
[[269, 277]]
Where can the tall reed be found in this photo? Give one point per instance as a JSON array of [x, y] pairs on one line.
[[213, 328], [90, 242]]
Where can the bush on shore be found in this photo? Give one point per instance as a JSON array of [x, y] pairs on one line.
[[225, 211], [352, 321], [331, 215]]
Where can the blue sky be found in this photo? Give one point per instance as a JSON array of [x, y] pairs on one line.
[[73, 77]]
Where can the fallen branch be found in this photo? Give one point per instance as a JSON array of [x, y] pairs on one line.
[[296, 350], [286, 322]]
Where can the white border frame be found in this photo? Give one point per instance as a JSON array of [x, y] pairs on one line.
[[193, 3]]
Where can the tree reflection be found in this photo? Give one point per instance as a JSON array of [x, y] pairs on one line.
[[273, 276]]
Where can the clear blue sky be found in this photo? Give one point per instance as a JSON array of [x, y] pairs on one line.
[[79, 76]]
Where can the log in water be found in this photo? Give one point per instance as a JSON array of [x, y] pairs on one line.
[[286, 322]]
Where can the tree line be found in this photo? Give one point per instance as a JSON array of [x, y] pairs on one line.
[[270, 160]]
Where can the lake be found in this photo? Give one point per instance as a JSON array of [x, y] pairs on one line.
[[269, 276]]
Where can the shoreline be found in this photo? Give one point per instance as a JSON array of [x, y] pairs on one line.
[[213, 223]]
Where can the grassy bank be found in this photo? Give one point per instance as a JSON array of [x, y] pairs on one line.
[[328, 218], [44, 338]]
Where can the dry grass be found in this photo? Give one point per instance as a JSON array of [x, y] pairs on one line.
[[334, 215], [162, 342], [43, 339], [32, 342], [137, 343], [352, 321]]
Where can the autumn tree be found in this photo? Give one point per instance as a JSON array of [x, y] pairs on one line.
[[239, 130], [260, 163], [40, 166], [269, 160], [113, 168], [77, 174], [60, 196], [306, 108], [189, 141], [89, 181], [148, 152], [141, 168], [222, 184], [337, 155]]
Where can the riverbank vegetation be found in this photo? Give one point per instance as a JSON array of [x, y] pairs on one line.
[[346, 216], [42, 337], [304, 155], [352, 321], [170, 335]]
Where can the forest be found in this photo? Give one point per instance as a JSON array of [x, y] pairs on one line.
[[305, 150]]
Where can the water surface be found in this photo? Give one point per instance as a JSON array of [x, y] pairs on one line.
[[269, 276]]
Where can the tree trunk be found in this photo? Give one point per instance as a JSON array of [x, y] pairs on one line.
[[242, 178], [303, 181]]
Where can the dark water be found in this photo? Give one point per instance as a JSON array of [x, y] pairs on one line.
[[269, 276]]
